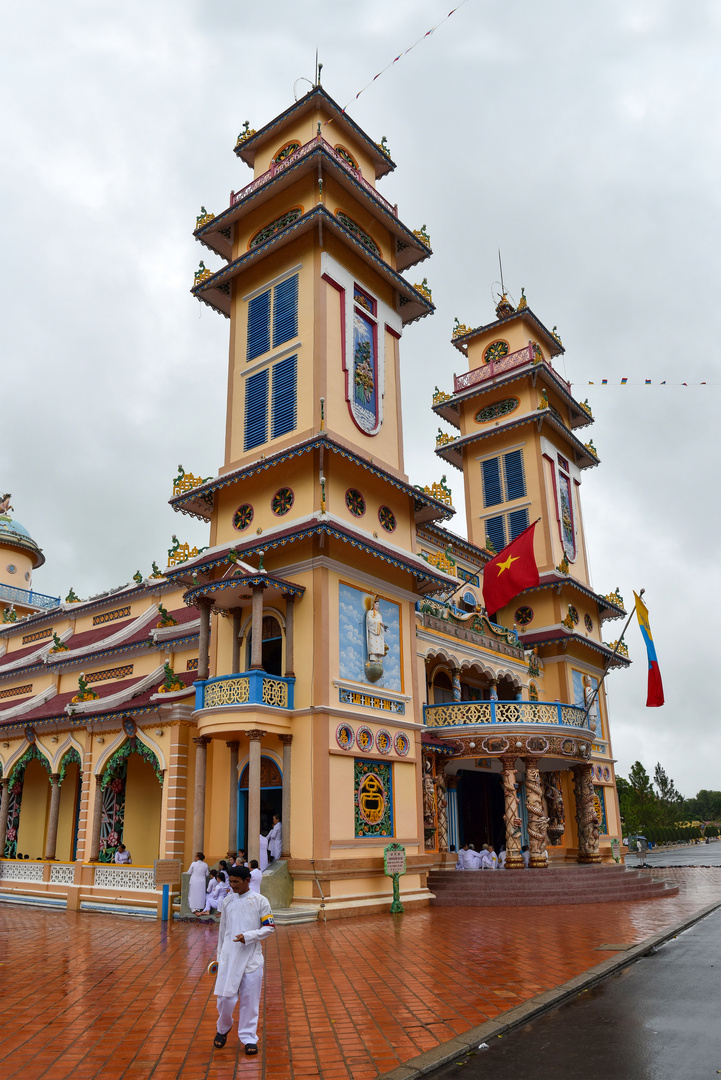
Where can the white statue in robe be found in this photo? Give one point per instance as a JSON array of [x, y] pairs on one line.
[[375, 633]]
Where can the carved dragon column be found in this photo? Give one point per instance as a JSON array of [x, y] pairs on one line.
[[514, 859], [586, 819], [456, 683], [441, 808], [556, 812], [537, 820]]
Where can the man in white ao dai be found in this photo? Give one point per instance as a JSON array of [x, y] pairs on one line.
[[245, 920]]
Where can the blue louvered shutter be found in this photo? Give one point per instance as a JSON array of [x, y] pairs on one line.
[[496, 531], [517, 522], [285, 311], [515, 479], [284, 394], [256, 409], [258, 326], [491, 472]]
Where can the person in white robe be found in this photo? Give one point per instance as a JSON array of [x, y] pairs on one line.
[[256, 876], [471, 860], [263, 852], [525, 855], [275, 838], [486, 860], [122, 855], [502, 859], [246, 920], [198, 871]]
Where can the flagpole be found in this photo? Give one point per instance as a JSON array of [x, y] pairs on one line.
[[611, 658]]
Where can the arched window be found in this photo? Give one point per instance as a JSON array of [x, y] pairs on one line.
[[272, 649]]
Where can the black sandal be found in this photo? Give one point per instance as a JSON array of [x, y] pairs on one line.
[[250, 1049], [220, 1039]]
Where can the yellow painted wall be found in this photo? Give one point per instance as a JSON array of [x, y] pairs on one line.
[[143, 795], [34, 811], [66, 818], [23, 565]]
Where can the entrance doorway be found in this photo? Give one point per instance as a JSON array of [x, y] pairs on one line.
[[480, 809], [271, 799]]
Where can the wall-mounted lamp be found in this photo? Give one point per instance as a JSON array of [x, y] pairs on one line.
[[6, 745], [99, 738], [159, 731], [53, 738]]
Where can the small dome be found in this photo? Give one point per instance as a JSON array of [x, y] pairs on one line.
[[15, 535]]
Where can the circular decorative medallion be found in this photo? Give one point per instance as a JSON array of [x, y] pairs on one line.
[[588, 622], [384, 743], [344, 736], [495, 351], [11, 569], [495, 745], [523, 615], [499, 408], [606, 773], [537, 745], [568, 746], [387, 518], [129, 727], [30, 734], [282, 501], [243, 517], [371, 799], [402, 744], [574, 614], [355, 502], [364, 738]]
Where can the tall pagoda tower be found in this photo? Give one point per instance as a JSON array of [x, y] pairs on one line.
[[308, 683], [523, 456]]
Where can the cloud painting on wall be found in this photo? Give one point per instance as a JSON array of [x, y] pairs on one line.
[[353, 605]]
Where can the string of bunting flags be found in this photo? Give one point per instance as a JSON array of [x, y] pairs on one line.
[[647, 382], [404, 53]]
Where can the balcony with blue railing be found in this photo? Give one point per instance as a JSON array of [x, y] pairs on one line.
[[28, 598], [253, 688], [510, 715]]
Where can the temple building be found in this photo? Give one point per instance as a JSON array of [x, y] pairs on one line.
[[327, 657]]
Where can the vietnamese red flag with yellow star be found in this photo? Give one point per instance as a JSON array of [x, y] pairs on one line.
[[510, 572]]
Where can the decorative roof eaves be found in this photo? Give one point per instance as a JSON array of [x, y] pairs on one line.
[[226, 217], [383, 159], [553, 343], [226, 273], [288, 588], [598, 647], [515, 375], [315, 441], [540, 416], [556, 580]]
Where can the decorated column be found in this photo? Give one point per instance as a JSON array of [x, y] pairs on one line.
[[537, 820], [254, 793], [441, 807], [201, 758], [204, 605], [4, 807], [514, 859], [456, 683], [97, 819], [586, 819], [285, 829], [53, 817], [233, 800], [256, 655], [289, 672]]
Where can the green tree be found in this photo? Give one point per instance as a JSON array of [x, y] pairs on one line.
[[670, 801]]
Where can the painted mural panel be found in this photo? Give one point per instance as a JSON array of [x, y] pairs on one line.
[[373, 798], [599, 804], [369, 630], [365, 373]]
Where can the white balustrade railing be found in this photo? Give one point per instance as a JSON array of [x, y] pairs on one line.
[[131, 878]]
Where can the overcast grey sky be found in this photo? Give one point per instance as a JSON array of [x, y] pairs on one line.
[[581, 139]]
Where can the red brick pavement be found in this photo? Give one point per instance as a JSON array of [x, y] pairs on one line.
[[99, 996]]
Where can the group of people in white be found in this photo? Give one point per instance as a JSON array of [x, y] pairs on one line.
[[208, 888], [486, 858]]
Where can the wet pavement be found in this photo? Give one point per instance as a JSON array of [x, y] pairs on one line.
[[89, 996], [688, 855], [655, 1020]]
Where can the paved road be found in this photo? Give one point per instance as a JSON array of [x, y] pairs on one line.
[[689, 855], [656, 1020]]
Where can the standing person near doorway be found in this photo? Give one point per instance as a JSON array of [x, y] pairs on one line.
[[246, 919], [199, 874], [275, 838]]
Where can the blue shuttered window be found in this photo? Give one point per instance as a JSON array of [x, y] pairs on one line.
[[517, 522], [285, 311], [496, 531], [491, 473], [283, 398], [258, 326], [515, 480], [256, 409]]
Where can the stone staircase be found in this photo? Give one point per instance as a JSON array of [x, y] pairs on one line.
[[554, 885]]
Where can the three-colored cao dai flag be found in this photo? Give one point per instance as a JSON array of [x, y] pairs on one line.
[[654, 696], [510, 572]]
